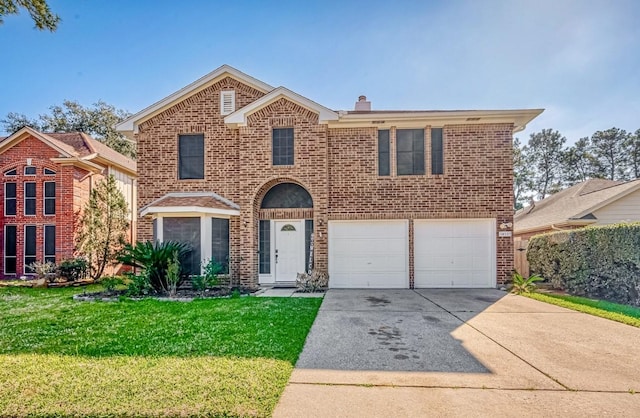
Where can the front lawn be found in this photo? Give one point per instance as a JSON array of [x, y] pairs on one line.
[[216, 357], [616, 312]]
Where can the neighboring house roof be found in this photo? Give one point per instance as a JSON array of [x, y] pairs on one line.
[[337, 119], [196, 202], [75, 147], [572, 206]]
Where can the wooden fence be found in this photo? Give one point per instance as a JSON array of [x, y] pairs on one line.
[[520, 257]]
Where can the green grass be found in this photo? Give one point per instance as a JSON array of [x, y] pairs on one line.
[[216, 357], [621, 313]]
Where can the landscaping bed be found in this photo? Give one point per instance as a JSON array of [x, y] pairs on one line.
[[211, 357]]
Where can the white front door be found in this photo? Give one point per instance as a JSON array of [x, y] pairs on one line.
[[289, 250]]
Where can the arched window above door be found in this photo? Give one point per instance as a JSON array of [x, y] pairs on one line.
[[287, 195]]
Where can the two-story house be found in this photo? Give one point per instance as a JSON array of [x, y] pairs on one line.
[[272, 183], [47, 180]]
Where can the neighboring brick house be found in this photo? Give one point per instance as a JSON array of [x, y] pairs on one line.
[[271, 183], [47, 179]]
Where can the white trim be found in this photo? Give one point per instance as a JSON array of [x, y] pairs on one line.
[[301, 225], [130, 125], [239, 117], [14, 198], [44, 198], [24, 249], [205, 240], [188, 210], [24, 198], [4, 249], [11, 175]]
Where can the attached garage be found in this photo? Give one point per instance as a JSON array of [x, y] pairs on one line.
[[369, 254], [455, 253]]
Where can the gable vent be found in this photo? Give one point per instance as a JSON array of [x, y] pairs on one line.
[[227, 102]]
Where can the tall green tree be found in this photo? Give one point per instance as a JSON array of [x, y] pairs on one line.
[[607, 148], [39, 10], [522, 176], [99, 121], [103, 226], [632, 150], [544, 153], [578, 164]]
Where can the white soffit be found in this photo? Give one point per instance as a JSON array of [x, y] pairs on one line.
[[130, 125], [239, 117]]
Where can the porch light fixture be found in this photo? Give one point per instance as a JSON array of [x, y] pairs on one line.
[[506, 225]]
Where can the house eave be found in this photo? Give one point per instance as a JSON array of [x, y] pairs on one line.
[[167, 210], [79, 162]]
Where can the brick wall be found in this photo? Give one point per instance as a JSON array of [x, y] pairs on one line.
[[66, 201], [337, 166]]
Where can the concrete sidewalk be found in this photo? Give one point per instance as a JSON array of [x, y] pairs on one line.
[[502, 355]]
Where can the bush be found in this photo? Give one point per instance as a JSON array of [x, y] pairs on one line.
[[210, 277], [44, 270], [522, 284], [598, 262], [110, 282], [73, 269], [155, 259], [138, 284], [312, 282]]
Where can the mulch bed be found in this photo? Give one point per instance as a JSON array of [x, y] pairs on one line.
[[183, 295]]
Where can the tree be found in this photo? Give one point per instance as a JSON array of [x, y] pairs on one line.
[[522, 175], [98, 121], [544, 153], [632, 150], [39, 10], [103, 226], [608, 151], [577, 162]]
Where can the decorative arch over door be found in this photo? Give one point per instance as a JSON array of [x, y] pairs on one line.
[[287, 196]]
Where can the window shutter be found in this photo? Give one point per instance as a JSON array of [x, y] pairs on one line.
[[227, 102]]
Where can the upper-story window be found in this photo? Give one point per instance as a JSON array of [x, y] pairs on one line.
[[384, 160], [437, 151], [283, 146], [29, 198], [49, 197], [227, 102], [49, 172], [410, 151], [11, 172], [191, 157], [30, 170], [10, 199]]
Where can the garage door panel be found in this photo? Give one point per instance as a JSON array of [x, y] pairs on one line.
[[371, 254], [454, 253]]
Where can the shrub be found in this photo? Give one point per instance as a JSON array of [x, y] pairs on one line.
[[524, 285], [44, 270], [110, 282], [139, 284], [73, 269], [155, 259], [314, 281], [173, 274], [210, 277], [599, 262]]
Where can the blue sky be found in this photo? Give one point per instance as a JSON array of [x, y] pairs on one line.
[[579, 59]]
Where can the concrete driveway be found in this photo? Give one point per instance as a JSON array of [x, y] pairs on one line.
[[461, 353]]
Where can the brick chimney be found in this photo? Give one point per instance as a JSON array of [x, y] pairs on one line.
[[362, 104]]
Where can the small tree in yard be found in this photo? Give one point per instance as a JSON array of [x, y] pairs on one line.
[[103, 226]]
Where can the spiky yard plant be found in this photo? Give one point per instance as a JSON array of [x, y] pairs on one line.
[[155, 259], [524, 285]]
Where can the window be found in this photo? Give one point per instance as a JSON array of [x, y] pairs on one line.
[[410, 151], [29, 170], [49, 172], [437, 153], [227, 102], [283, 146], [10, 199], [187, 231], [384, 162], [49, 197], [220, 242], [29, 247], [10, 246], [287, 195], [308, 244], [265, 247], [191, 157], [50, 243], [11, 172], [30, 198]]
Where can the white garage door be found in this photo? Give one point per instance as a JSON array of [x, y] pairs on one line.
[[455, 253], [372, 254]]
